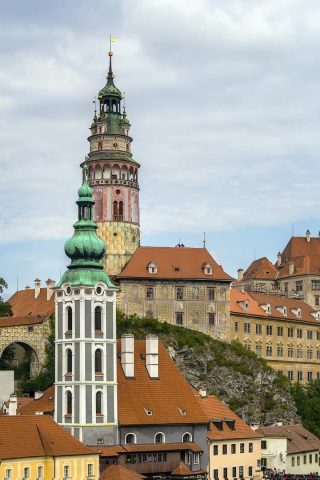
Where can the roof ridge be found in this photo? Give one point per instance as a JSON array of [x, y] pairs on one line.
[[48, 449]]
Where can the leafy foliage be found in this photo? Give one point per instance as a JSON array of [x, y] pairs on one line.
[[5, 307], [307, 399]]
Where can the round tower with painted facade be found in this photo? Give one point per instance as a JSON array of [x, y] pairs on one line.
[[113, 177]]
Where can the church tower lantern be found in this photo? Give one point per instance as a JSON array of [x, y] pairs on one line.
[[113, 177], [85, 335]]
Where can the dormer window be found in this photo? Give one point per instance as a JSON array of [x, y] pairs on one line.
[[152, 268], [207, 268], [148, 411], [283, 310], [266, 307], [183, 411]]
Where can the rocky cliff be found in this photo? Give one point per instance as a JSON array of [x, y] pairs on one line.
[[229, 371]]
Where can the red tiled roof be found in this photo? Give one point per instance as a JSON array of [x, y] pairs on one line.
[[256, 300], [158, 447], [182, 469], [118, 472], [299, 438], [173, 263], [36, 436], [28, 310], [111, 451], [304, 255], [44, 404], [260, 269], [215, 409], [163, 396]]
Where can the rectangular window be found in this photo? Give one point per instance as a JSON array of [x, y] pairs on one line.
[[269, 351], [179, 318], [66, 471], [149, 293], [258, 329], [300, 377], [225, 472], [211, 318], [315, 284], [290, 374], [299, 286], [304, 459], [290, 352], [234, 472], [90, 470], [247, 327], [309, 334], [292, 461], [280, 331], [263, 444], [233, 448], [286, 287], [299, 353], [298, 460], [250, 471], [216, 474], [211, 293], [309, 354], [310, 458], [258, 350], [309, 375], [241, 447], [40, 472], [236, 326], [215, 450], [240, 472], [196, 458], [8, 474], [179, 293], [224, 449], [250, 447], [290, 332], [26, 472], [316, 458], [318, 354], [269, 329], [317, 300], [280, 351], [318, 335], [299, 333]]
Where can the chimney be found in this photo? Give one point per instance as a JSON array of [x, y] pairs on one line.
[[203, 392], [13, 404], [37, 286], [50, 284], [127, 355], [279, 259], [240, 274], [308, 235], [291, 268], [38, 395], [152, 356]]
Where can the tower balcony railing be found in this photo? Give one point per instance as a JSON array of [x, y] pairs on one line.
[[118, 218], [113, 181]]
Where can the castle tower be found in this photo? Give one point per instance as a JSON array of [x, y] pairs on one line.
[[113, 176], [85, 335]]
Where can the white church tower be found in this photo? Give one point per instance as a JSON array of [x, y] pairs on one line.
[[85, 335]]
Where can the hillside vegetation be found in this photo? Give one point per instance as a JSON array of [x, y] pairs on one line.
[[228, 370]]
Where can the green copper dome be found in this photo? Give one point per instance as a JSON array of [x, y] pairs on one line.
[[85, 248]]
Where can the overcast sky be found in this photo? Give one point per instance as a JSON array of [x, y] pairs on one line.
[[224, 101]]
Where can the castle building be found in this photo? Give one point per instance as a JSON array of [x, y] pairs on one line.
[[295, 274], [283, 331], [179, 285], [113, 176], [85, 337]]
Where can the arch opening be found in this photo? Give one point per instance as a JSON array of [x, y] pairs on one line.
[[22, 358]]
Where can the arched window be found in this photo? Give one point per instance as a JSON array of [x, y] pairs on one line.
[[98, 403], [69, 361], [69, 403], [99, 145], [159, 438], [98, 361], [115, 210], [187, 438], [97, 318], [130, 438], [69, 318], [120, 211]]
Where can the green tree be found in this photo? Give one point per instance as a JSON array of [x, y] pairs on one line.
[[5, 307], [307, 399]]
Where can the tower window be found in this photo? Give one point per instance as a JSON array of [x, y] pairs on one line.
[[99, 403], [98, 361], [69, 319], [69, 361], [99, 145], [97, 318], [69, 402]]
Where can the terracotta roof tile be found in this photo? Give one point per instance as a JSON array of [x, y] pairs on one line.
[[163, 396], [159, 447], [239, 299], [36, 436], [118, 472], [299, 438], [260, 269], [304, 255], [173, 263], [111, 450], [182, 470], [43, 404], [214, 409], [24, 303]]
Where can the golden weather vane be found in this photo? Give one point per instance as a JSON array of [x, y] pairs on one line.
[[111, 40]]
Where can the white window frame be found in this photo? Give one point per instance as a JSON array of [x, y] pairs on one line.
[[163, 437], [190, 437], [134, 436], [66, 471]]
